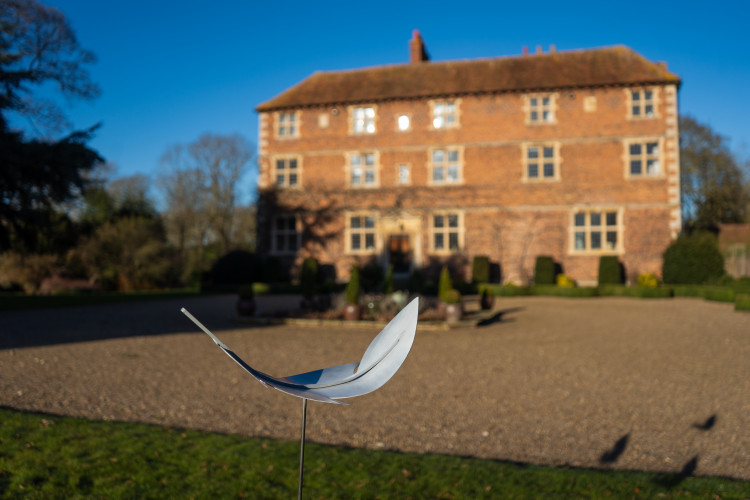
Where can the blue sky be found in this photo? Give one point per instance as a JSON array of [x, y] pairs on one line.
[[170, 71]]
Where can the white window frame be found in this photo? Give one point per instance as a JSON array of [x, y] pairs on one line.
[[536, 105], [287, 124], [363, 119], [445, 230], [592, 230], [359, 173], [445, 114], [362, 236], [639, 102], [286, 172], [287, 233], [451, 170], [640, 150], [541, 161]]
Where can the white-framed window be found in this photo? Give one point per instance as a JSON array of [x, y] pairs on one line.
[[404, 173], [445, 165], [642, 103], [362, 119], [596, 231], [445, 114], [540, 109], [403, 122], [363, 169], [446, 232], [643, 158], [361, 233], [287, 171], [541, 162], [287, 124], [286, 234]]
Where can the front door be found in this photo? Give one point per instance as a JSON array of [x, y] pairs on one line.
[[400, 253]]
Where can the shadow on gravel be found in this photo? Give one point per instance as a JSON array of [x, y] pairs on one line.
[[610, 456], [498, 316], [40, 327], [674, 480]]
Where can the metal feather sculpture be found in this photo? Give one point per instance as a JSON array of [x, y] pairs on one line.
[[382, 359]]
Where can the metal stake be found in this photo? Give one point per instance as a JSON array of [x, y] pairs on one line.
[[302, 449]]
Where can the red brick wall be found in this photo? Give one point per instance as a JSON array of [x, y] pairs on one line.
[[505, 218]]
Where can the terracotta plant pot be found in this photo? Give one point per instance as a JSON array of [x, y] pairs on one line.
[[353, 312]]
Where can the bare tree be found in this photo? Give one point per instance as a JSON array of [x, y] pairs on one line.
[[202, 178]]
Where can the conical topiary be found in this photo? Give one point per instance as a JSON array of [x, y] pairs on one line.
[[352, 288]]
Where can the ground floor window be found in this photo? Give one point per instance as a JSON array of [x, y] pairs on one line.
[[597, 231], [446, 232], [361, 230], [286, 236]]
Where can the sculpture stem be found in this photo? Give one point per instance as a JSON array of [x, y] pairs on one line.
[[302, 449]]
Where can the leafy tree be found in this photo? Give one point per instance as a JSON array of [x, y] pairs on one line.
[[38, 48], [712, 178]]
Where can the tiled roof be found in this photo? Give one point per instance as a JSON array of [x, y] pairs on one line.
[[617, 65]]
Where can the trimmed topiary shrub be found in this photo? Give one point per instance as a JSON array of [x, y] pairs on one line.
[[388, 284], [565, 281], [610, 271], [445, 284], [452, 296], [742, 302], [308, 277], [352, 288], [544, 270], [693, 259], [648, 280], [480, 269]]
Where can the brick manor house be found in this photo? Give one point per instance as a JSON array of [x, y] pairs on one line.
[[569, 154]]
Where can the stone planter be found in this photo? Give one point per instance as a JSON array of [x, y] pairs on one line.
[[453, 313], [246, 307], [352, 312]]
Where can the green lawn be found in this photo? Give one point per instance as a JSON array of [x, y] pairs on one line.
[[44, 456]]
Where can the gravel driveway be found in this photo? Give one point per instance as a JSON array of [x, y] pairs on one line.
[[660, 385]]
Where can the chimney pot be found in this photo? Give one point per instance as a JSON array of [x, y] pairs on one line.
[[539, 49], [552, 48], [525, 50]]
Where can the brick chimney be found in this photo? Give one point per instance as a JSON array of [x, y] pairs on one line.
[[417, 50]]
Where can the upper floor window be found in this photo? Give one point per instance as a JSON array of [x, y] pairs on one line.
[[287, 124], [363, 169], [541, 162], [445, 165], [642, 103], [404, 174], [445, 114], [596, 231], [286, 237], [361, 231], [540, 108], [643, 158], [403, 123], [363, 120], [287, 171], [446, 232]]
